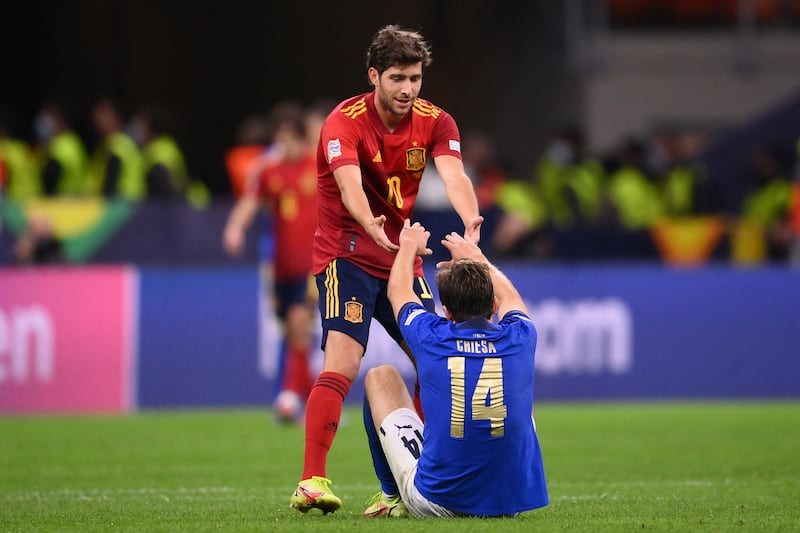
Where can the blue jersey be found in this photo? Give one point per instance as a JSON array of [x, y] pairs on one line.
[[481, 455]]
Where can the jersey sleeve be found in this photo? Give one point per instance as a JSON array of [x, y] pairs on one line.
[[414, 320], [339, 139], [521, 324], [446, 138]]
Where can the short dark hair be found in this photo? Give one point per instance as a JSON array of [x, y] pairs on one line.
[[393, 45], [466, 289]]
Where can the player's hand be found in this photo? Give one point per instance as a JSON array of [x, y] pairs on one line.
[[417, 236], [375, 229], [460, 248], [233, 241], [472, 230]]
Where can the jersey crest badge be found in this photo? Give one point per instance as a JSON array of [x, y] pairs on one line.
[[415, 159], [334, 149], [354, 312]]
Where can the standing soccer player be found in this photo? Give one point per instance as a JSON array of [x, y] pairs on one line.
[[286, 187], [477, 454], [373, 149]]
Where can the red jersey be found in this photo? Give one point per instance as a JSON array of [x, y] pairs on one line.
[[290, 189], [391, 168]]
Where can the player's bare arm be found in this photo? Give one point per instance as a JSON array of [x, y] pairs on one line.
[[233, 236], [461, 194], [413, 242], [508, 298], [348, 178]]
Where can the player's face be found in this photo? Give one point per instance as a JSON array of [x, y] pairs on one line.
[[396, 89]]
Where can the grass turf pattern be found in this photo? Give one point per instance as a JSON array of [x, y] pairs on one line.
[[679, 466]]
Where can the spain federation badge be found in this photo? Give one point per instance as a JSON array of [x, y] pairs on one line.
[[354, 312], [415, 159]]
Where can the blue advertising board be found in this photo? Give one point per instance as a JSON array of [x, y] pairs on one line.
[[605, 332]]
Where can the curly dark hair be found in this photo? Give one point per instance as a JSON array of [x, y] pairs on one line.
[[466, 289], [393, 45]]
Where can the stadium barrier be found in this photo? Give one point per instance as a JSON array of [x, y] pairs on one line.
[[95, 339]]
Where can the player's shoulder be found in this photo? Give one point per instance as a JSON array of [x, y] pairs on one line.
[[351, 109], [413, 313], [427, 110]]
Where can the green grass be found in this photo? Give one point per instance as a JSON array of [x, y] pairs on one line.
[[611, 467]]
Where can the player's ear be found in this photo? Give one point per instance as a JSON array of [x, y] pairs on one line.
[[374, 76], [446, 312], [495, 305]]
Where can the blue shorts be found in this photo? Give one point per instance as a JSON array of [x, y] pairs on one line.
[[289, 293], [349, 298]]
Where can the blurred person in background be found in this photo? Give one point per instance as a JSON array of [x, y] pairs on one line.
[[670, 156], [286, 188], [632, 193], [373, 150], [64, 159], [252, 139], [478, 153], [37, 244], [793, 218], [522, 227], [164, 165], [115, 169], [570, 182], [767, 202], [18, 163]]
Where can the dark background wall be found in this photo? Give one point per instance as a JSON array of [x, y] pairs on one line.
[[498, 67]]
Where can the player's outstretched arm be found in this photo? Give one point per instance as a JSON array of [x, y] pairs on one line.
[[348, 178], [461, 194], [413, 242], [240, 218], [508, 298]]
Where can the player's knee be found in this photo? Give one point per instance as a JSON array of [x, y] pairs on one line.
[[380, 376]]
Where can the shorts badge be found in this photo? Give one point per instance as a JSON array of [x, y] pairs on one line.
[[354, 312], [415, 159]]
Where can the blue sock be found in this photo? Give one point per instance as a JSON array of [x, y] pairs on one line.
[[381, 465]]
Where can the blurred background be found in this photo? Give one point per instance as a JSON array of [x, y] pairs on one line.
[[700, 98], [601, 136]]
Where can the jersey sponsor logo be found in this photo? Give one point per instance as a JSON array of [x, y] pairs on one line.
[[334, 149], [415, 159], [426, 110], [455, 145], [377, 158], [354, 312], [356, 109]]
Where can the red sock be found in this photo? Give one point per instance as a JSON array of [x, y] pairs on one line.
[[418, 401], [323, 411], [296, 374]]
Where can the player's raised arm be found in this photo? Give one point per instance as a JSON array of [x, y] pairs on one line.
[[348, 178], [413, 242], [461, 194], [508, 298]]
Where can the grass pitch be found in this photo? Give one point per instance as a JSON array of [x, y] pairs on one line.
[[611, 467]]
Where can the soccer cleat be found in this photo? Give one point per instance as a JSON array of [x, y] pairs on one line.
[[380, 505], [314, 493]]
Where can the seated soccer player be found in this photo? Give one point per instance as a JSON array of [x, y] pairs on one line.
[[477, 454]]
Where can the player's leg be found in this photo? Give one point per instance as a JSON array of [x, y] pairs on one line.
[[401, 431], [385, 315], [345, 299], [295, 377], [297, 320], [381, 503]]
